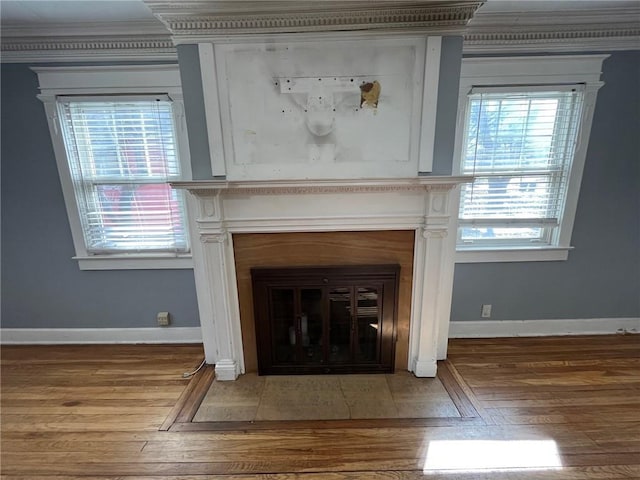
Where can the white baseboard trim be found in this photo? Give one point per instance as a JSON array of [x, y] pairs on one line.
[[52, 336], [540, 328]]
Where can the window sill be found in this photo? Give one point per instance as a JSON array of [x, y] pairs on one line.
[[491, 255], [135, 262]]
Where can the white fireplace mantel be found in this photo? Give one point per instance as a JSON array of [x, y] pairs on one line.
[[219, 209]]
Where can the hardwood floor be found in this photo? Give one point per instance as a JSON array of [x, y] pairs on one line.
[[95, 412]]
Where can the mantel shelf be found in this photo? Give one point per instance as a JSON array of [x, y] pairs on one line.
[[213, 187]]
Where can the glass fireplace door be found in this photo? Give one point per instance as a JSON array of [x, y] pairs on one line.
[[311, 318], [283, 326], [367, 325], [340, 325], [325, 319]]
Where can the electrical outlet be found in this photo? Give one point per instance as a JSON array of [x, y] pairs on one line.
[[163, 319], [486, 311]]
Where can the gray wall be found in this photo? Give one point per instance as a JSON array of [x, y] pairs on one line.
[[42, 286], [601, 279], [447, 107], [191, 78]]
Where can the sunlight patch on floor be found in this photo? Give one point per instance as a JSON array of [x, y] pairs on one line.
[[491, 455]]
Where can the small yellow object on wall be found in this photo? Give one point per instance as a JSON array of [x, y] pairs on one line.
[[369, 94]]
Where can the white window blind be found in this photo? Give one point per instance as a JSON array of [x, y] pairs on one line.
[[121, 153], [519, 142]]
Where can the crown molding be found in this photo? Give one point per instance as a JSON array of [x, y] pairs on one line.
[[551, 42], [84, 29], [33, 49], [567, 17], [202, 19], [588, 30]]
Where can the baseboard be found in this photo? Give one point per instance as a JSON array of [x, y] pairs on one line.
[[539, 328], [52, 336], [474, 329]]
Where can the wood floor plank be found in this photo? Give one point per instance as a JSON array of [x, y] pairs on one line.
[[584, 399], [112, 448], [457, 390], [200, 389]]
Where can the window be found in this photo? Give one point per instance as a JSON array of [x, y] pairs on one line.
[[121, 153], [524, 139], [116, 152], [519, 146]]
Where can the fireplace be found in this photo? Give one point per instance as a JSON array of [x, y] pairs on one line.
[[422, 206], [321, 120]]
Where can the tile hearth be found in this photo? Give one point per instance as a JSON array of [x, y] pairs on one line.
[[325, 397]]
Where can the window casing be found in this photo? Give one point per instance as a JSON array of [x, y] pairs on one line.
[[523, 136], [116, 149]]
